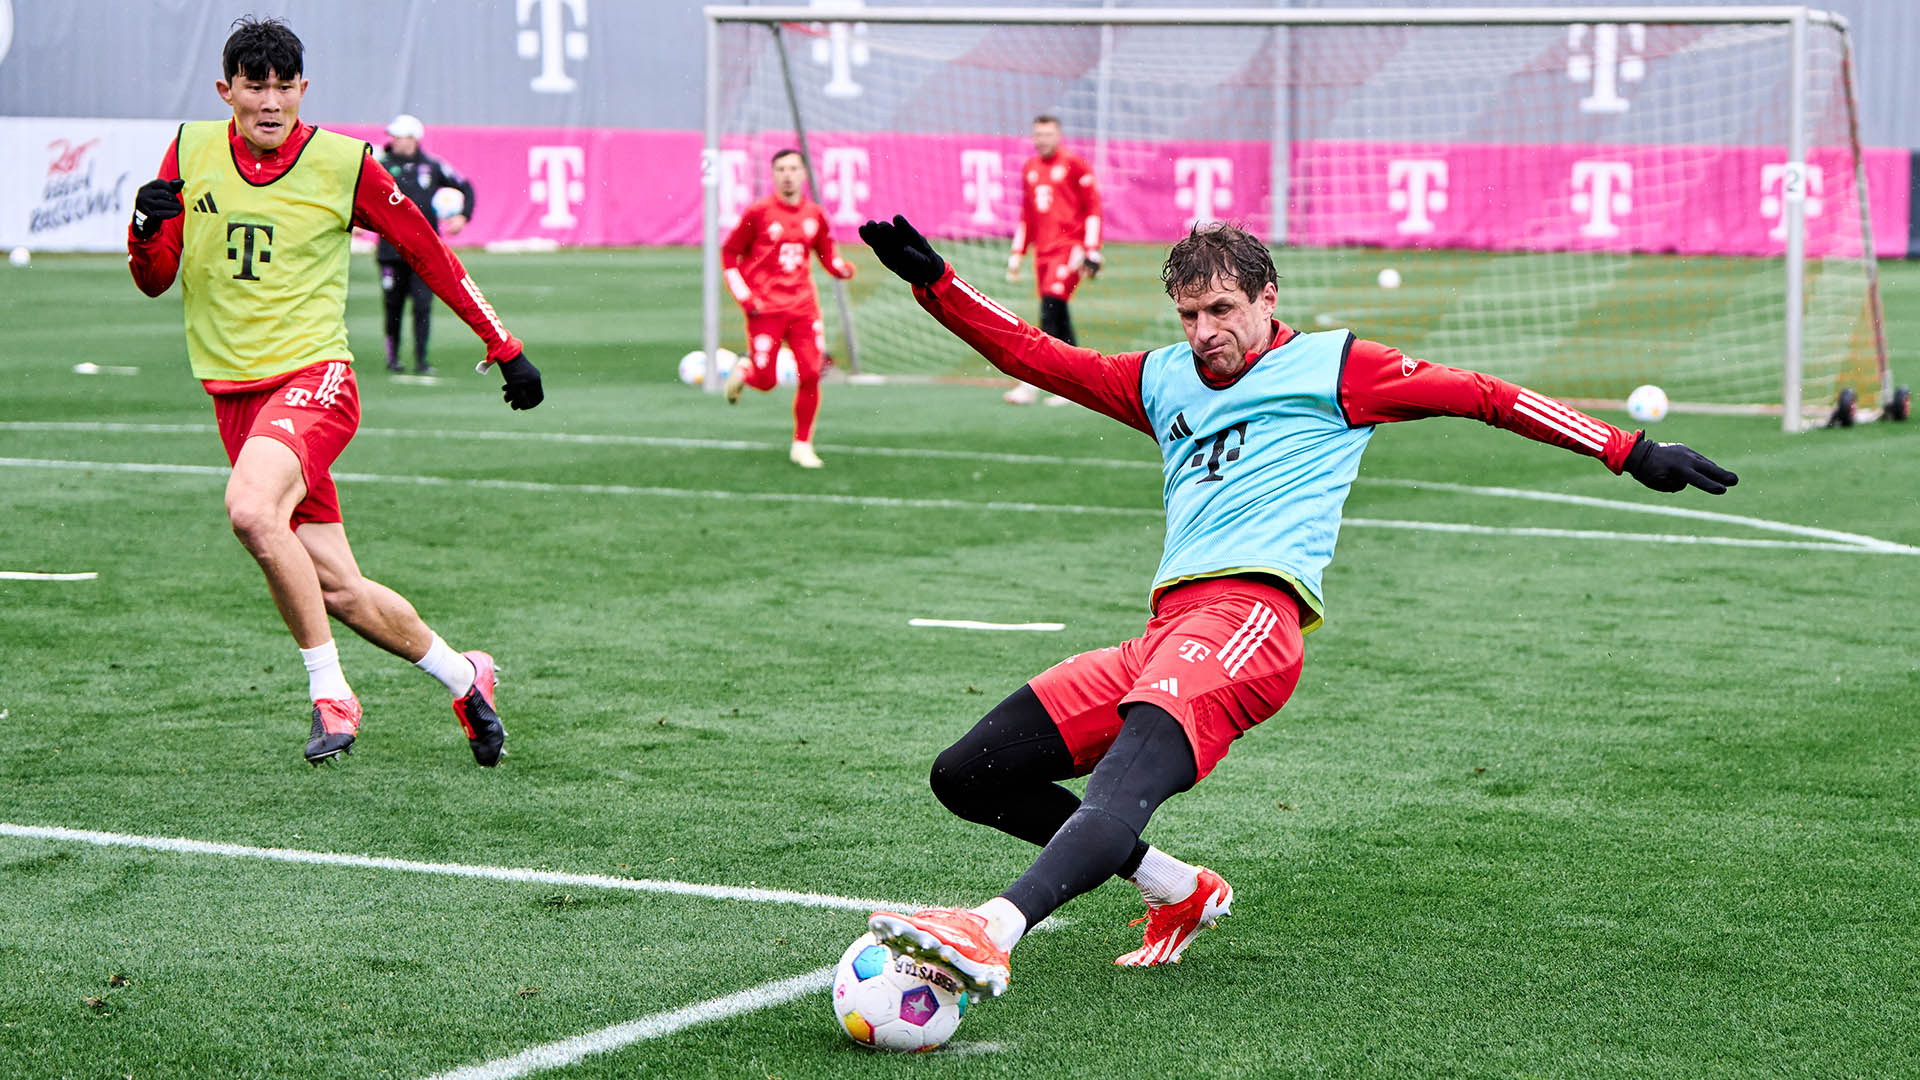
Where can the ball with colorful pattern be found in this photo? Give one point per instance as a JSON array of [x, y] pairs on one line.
[[894, 1002]]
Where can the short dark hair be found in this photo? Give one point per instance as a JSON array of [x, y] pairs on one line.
[[1218, 251], [1047, 118], [778, 154], [258, 48]]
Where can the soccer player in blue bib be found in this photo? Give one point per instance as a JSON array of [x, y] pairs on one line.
[[1260, 428]]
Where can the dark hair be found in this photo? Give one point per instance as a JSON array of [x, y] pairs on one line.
[[778, 154], [258, 48], [1218, 251], [1047, 118]]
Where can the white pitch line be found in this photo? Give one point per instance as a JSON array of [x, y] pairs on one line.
[[29, 575], [974, 624], [492, 873], [1859, 545], [553, 1055]]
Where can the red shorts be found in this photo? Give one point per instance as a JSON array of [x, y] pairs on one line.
[[1054, 276], [314, 411], [802, 331], [1220, 655]]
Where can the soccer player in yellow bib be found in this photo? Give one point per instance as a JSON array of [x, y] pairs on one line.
[[253, 217]]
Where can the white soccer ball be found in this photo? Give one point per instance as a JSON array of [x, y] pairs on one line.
[[448, 202], [786, 370], [20, 256], [1389, 278], [693, 366], [894, 1002], [1647, 404]]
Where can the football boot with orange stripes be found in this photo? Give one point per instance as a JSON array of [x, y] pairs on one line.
[[1172, 927], [950, 937]]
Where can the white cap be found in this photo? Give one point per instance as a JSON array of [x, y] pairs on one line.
[[406, 126]]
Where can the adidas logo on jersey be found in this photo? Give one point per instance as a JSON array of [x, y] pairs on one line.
[[283, 422], [1180, 429], [205, 205], [1168, 686]]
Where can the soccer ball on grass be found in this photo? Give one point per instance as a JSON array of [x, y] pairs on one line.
[[894, 1002], [693, 366]]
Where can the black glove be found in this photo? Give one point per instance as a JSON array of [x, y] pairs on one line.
[[523, 383], [1665, 466], [1095, 261], [901, 249], [153, 204]]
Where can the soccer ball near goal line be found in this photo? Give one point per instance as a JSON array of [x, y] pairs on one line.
[[894, 1002], [1647, 404], [693, 366]]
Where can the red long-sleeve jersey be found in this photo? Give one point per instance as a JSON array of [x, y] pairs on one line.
[[764, 258], [1377, 384], [1059, 207], [377, 205]]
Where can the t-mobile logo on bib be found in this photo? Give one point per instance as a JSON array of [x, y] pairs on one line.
[[1778, 188], [842, 48], [1605, 67], [551, 41], [980, 184], [1418, 187], [1601, 191], [556, 173], [844, 182], [1200, 187]]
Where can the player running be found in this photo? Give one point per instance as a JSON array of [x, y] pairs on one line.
[[765, 262], [1261, 429], [1060, 220], [254, 216]]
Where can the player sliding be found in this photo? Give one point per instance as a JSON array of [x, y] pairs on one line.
[[262, 261], [1261, 430]]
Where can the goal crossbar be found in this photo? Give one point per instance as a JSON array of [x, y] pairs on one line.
[[1459, 16]]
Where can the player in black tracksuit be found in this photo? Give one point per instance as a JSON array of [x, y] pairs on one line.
[[418, 175]]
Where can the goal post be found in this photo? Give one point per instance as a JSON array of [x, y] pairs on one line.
[[1582, 199]]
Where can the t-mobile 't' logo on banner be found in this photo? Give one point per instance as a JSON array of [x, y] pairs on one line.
[[1605, 67], [844, 182], [551, 41], [1601, 190], [1418, 187], [1200, 187], [843, 48], [557, 174], [980, 184], [1782, 184], [735, 187]]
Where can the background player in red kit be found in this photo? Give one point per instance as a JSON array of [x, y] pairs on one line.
[[765, 259], [1060, 221], [1261, 430], [254, 216]]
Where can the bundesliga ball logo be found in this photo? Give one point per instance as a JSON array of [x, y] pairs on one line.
[[889, 1001]]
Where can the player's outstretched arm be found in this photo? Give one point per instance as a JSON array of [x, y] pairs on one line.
[[1109, 385], [1675, 467]]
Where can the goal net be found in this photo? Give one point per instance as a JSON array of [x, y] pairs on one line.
[[1581, 205]]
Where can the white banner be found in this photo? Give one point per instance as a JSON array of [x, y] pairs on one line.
[[69, 183]]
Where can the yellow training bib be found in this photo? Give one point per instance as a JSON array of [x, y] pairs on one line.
[[263, 268]]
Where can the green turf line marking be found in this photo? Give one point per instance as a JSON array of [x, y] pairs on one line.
[[1858, 546], [182, 846]]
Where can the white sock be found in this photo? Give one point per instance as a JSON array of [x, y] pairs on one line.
[[1005, 924], [454, 671], [1163, 879], [324, 677]]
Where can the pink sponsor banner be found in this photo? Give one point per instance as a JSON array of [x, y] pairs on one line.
[[591, 187]]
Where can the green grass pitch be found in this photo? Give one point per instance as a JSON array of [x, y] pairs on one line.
[[1553, 803]]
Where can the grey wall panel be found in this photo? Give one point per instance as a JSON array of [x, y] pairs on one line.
[[597, 63]]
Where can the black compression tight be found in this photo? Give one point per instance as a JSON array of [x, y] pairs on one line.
[[1054, 319], [1004, 773]]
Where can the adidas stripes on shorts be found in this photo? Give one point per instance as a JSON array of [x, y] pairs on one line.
[[315, 412], [1220, 655]]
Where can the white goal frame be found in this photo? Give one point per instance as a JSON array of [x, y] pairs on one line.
[[1796, 18]]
